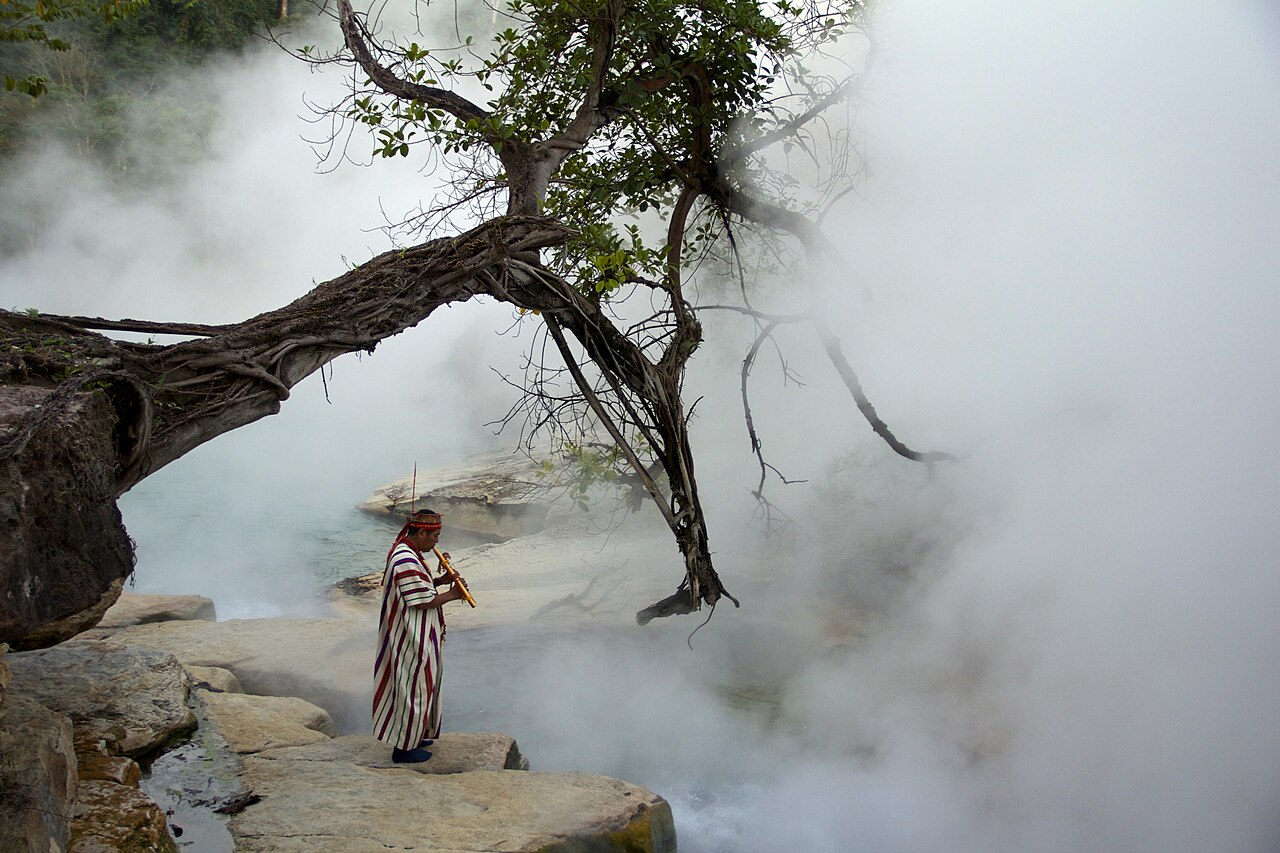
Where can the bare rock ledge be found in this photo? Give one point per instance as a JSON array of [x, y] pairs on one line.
[[337, 807], [495, 497], [301, 788], [313, 659], [254, 723]]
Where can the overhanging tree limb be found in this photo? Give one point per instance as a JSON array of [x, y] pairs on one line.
[[619, 439], [681, 83]]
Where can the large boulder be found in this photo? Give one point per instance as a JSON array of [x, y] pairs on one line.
[[497, 497], [137, 609], [338, 807], [119, 702], [37, 777], [65, 551], [133, 700]]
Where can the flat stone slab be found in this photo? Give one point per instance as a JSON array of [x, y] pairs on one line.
[[334, 807], [327, 662], [452, 752], [137, 609], [134, 699], [254, 723]]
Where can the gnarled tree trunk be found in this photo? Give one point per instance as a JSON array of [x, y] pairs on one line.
[[85, 417]]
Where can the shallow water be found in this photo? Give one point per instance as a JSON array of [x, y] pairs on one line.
[[190, 782]]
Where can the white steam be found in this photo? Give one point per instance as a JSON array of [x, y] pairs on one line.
[[249, 228], [1062, 642], [1066, 640]]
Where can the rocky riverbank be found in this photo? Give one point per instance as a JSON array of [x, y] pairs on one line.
[[163, 728], [235, 723]]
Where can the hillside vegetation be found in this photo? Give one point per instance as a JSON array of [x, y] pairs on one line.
[[108, 86]]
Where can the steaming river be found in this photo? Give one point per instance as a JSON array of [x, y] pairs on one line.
[[609, 698]]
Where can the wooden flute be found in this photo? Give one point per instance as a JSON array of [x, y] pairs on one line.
[[454, 576]]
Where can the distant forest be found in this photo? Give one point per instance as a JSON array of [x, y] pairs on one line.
[[111, 85]]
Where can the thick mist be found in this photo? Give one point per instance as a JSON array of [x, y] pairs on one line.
[[1064, 641], [252, 226]]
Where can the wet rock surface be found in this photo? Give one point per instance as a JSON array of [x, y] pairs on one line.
[[111, 818], [195, 780], [93, 765]]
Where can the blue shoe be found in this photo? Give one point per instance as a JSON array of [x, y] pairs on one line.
[[426, 741], [409, 756]]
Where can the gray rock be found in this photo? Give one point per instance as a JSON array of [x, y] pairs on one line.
[[254, 723], [327, 662], [214, 679], [135, 609], [37, 777], [452, 752], [109, 818], [496, 497], [56, 630], [133, 699], [5, 673], [57, 578], [334, 807]]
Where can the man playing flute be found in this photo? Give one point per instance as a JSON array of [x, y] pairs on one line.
[[407, 670]]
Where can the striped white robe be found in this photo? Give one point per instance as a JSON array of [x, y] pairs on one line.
[[406, 672]]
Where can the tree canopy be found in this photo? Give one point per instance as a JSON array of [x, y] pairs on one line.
[[595, 154]]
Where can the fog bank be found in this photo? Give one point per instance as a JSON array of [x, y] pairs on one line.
[[1065, 640], [254, 225], [1061, 642]]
